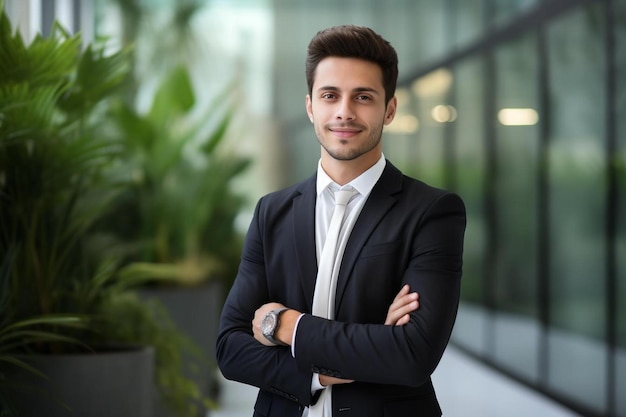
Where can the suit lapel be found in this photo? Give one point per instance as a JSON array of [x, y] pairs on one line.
[[379, 202], [303, 220]]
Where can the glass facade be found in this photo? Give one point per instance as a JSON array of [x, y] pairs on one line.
[[516, 160], [577, 173], [536, 148], [471, 146]]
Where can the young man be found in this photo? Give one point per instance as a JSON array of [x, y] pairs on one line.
[[349, 339]]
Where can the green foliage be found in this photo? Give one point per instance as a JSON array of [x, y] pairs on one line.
[[60, 286], [147, 322], [180, 206], [25, 333], [52, 161]]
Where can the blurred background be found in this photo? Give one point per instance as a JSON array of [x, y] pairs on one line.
[[517, 105]]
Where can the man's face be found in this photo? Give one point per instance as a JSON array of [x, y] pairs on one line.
[[347, 108]]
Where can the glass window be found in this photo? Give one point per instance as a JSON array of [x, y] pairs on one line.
[[470, 170], [400, 135], [577, 206], [517, 154], [469, 142], [435, 114], [430, 30], [469, 21], [506, 10]]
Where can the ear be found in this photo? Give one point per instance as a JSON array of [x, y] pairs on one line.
[[309, 108], [390, 112]]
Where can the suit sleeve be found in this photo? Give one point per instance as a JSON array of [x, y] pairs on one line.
[[240, 357], [404, 355]]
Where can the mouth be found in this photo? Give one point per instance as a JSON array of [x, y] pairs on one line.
[[345, 132]]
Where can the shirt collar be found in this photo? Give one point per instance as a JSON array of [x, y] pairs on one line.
[[363, 183]]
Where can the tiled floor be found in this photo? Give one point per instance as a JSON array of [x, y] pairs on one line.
[[464, 387]]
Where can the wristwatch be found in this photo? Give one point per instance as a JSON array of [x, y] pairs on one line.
[[270, 324]]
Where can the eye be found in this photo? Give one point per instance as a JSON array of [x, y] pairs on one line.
[[363, 98], [328, 96]]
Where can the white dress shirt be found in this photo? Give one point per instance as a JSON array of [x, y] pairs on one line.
[[324, 206]]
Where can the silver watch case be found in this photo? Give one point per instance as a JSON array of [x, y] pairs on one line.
[[270, 323]]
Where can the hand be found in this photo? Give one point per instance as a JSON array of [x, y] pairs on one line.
[[326, 380], [403, 304], [259, 315]]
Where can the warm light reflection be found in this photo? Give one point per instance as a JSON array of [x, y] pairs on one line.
[[518, 117], [403, 124], [404, 99], [444, 113], [434, 84]]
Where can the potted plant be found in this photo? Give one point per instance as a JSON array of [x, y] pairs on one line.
[[180, 208], [63, 293]]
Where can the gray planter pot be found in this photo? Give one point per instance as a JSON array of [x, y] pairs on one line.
[[196, 312], [118, 382]]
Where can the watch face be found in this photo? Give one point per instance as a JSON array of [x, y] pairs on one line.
[[268, 324]]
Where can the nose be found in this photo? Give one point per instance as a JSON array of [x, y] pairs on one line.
[[345, 109]]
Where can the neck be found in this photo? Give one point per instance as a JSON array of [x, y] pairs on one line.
[[342, 172]]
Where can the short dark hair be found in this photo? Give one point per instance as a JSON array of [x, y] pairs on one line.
[[349, 41]]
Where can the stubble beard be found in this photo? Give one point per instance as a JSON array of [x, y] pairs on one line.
[[347, 153]]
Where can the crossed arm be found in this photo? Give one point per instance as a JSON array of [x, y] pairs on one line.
[[430, 264], [398, 315]]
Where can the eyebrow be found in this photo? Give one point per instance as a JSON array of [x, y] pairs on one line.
[[354, 90]]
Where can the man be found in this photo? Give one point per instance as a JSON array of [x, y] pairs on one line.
[[352, 341]]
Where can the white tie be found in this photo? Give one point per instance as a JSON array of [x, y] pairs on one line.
[[325, 285], [324, 298]]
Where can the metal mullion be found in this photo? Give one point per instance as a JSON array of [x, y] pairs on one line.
[[48, 8], [611, 207], [543, 207], [490, 201]]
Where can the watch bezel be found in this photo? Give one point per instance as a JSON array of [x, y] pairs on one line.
[[270, 323]]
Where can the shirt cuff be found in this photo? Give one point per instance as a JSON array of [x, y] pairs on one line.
[[316, 385], [293, 338]]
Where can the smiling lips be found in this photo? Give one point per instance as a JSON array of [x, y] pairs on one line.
[[345, 131]]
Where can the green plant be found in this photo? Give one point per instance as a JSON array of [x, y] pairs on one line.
[[180, 206], [16, 335], [51, 163], [179, 212], [59, 275]]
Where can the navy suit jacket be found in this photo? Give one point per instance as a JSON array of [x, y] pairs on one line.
[[407, 233]]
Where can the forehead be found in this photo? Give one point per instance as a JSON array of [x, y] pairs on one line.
[[348, 74]]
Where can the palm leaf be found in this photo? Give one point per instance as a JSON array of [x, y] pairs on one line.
[[173, 98]]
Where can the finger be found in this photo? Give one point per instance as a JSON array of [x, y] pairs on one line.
[[403, 291], [407, 308], [402, 307], [403, 320], [326, 380], [404, 300], [393, 313]]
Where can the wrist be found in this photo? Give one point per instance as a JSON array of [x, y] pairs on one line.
[[288, 320]]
